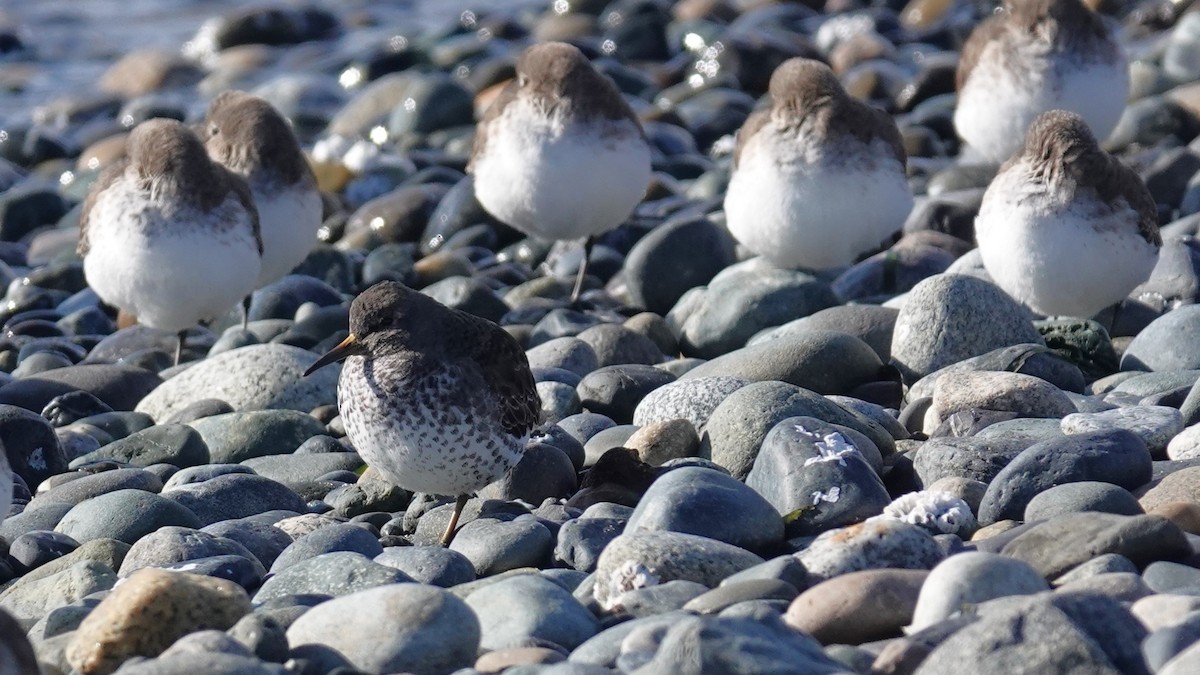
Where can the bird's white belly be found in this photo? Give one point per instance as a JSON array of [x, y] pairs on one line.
[[1061, 261], [997, 105], [814, 216], [170, 275], [561, 183], [290, 220]]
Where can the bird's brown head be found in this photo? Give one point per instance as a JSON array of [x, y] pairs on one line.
[[1069, 15], [246, 134], [387, 310], [1060, 138], [801, 85], [166, 149]]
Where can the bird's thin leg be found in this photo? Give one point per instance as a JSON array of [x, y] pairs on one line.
[[587, 251], [179, 346], [245, 312], [448, 535]]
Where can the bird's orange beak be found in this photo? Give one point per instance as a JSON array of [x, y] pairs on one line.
[[347, 347]]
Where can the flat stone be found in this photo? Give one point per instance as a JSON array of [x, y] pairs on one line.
[[238, 436], [1057, 545], [826, 362], [710, 504], [1116, 456], [124, 515], [337, 574]]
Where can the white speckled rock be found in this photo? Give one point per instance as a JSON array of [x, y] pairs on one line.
[[1156, 425], [1026, 395], [875, 544], [1185, 445], [251, 378], [692, 400], [648, 558]]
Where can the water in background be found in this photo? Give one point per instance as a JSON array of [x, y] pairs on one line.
[[74, 41]]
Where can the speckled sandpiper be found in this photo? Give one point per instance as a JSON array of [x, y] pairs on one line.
[[437, 400]]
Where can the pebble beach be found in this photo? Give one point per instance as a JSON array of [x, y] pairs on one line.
[[888, 468]]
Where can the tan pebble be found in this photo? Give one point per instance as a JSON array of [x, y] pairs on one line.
[[659, 442], [1180, 486], [1184, 514], [142, 71], [858, 607], [148, 612], [994, 529], [102, 153], [1164, 609], [501, 659]]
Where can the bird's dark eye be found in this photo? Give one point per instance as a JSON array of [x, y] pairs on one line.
[[522, 80], [213, 130]]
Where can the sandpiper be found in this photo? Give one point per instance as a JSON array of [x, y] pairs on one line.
[[167, 234], [1030, 57], [1065, 228], [437, 400], [559, 154], [818, 178], [249, 137]]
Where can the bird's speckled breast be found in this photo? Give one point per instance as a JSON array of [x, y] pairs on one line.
[[434, 430]]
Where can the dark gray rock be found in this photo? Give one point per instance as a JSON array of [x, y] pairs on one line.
[[818, 475], [169, 545], [432, 565], [335, 537], [234, 495], [745, 298], [616, 391], [93, 485], [1168, 343], [124, 515], [1057, 545], [336, 574], [674, 257], [826, 362], [174, 444], [236, 437], [30, 445], [710, 504], [1118, 457]]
